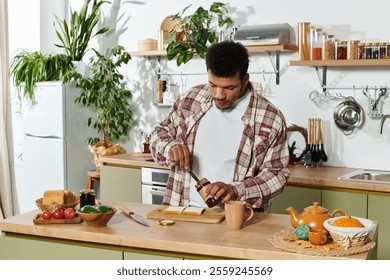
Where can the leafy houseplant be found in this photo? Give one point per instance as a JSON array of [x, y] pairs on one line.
[[104, 91], [197, 30], [76, 34], [28, 68]]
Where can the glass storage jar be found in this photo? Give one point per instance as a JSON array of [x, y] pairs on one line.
[[353, 49], [388, 49], [304, 40], [328, 47], [382, 50], [341, 50], [368, 51], [361, 50], [375, 50], [315, 43]]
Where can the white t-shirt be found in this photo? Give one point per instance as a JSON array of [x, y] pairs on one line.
[[216, 145]]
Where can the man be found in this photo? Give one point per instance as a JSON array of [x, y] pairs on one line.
[[226, 133]]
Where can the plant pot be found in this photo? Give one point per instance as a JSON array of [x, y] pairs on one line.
[[98, 150], [146, 148]]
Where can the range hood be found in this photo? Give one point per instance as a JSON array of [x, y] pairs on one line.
[[268, 34]]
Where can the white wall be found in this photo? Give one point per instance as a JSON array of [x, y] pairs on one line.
[[348, 19]]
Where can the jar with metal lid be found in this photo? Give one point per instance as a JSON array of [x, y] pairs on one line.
[[382, 50], [361, 50], [304, 40], [341, 50], [315, 43], [375, 50], [388, 49], [328, 47], [353, 49], [368, 51], [87, 197]]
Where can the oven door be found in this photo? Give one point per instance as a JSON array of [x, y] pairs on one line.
[[152, 194]]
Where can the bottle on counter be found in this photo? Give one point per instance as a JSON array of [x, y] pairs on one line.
[[304, 40], [200, 187], [315, 43]]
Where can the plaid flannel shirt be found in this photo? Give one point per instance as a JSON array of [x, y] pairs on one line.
[[261, 168]]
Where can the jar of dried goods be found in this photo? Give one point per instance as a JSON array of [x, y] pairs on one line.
[[328, 47], [353, 49], [315, 43], [375, 50], [368, 51], [361, 50], [304, 40], [388, 49], [341, 50], [382, 50]]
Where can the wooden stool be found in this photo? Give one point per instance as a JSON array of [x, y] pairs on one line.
[[93, 175]]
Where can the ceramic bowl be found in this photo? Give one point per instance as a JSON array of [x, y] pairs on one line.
[[96, 220]]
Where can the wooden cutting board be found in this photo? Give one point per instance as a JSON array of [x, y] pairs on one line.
[[209, 216]]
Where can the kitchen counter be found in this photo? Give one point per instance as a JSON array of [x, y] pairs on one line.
[[320, 177], [182, 240]]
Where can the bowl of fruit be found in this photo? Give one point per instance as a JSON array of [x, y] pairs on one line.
[[349, 231], [96, 215]]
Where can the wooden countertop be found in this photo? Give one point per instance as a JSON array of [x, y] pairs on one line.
[[319, 177], [184, 239]]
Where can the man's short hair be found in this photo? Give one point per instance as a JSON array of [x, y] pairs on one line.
[[227, 58]]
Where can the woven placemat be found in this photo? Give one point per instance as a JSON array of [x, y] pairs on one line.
[[287, 241]]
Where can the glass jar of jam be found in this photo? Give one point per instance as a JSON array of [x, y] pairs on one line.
[[200, 187], [87, 197]]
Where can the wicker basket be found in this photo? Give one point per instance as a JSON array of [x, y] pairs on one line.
[[348, 237], [51, 207]]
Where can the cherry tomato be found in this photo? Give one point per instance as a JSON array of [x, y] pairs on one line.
[[46, 215], [58, 213], [69, 213]]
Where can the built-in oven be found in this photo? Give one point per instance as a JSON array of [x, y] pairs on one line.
[[154, 182]]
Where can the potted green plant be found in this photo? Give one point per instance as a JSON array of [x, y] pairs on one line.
[[76, 34], [196, 32], [28, 68], [105, 92]]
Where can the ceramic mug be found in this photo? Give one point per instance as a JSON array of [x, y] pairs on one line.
[[235, 214], [318, 236]]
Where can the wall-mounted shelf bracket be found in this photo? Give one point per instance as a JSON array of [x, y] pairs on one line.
[[321, 73], [275, 61], [156, 65]]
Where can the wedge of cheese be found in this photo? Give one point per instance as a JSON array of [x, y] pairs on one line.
[[193, 211]]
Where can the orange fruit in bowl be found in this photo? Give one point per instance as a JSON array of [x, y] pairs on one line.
[[347, 221]]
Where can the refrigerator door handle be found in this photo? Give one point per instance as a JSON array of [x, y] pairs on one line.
[[43, 136]]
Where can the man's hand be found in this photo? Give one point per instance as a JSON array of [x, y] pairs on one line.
[[180, 155], [220, 189]]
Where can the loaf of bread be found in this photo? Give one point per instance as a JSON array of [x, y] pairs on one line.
[[193, 211], [53, 197]]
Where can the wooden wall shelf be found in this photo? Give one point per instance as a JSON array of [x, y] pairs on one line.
[[341, 63]]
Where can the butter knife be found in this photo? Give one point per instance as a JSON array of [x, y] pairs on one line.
[[135, 217]]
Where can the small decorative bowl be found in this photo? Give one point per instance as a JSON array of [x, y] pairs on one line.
[[348, 237], [97, 220], [51, 207]]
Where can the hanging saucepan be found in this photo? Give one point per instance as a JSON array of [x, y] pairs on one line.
[[348, 115]]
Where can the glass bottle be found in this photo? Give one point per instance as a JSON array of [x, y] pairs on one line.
[[328, 47], [388, 49], [361, 50], [315, 43], [304, 40], [353, 49], [341, 50], [200, 187]]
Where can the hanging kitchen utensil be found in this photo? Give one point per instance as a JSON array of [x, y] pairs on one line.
[[348, 116], [314, 153], [323, 155]]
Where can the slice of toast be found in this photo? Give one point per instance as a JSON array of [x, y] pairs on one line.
[[193, 211], [174, 210]]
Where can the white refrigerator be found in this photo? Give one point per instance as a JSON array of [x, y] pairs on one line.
[[55, 150]]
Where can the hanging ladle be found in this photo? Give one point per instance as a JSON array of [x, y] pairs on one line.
[[322, 153]]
